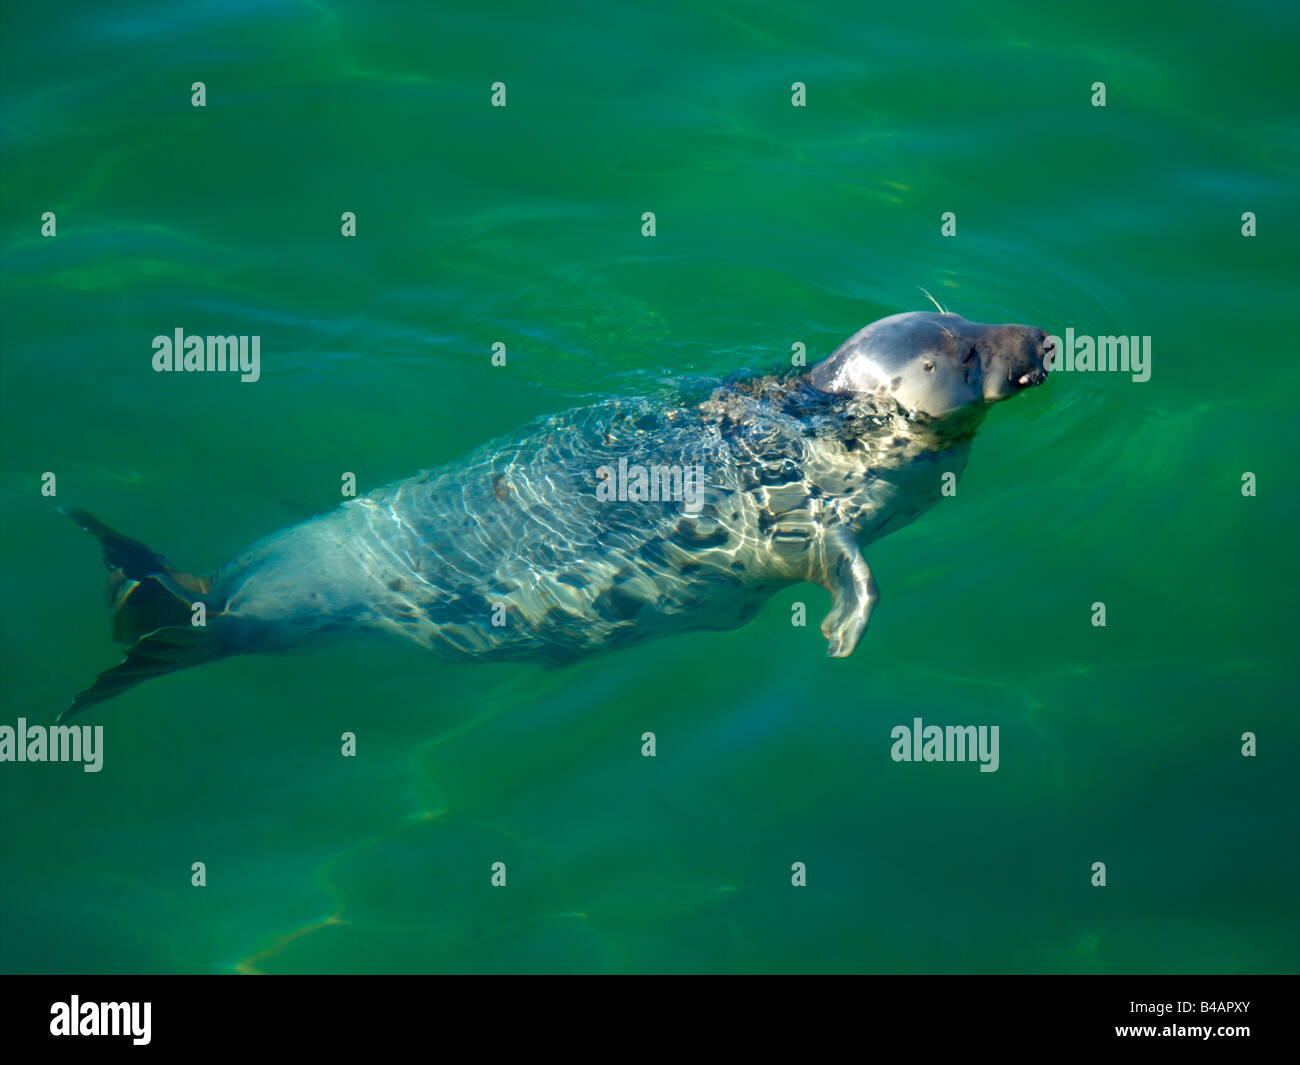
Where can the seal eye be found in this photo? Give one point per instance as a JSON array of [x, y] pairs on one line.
[[929, 366]]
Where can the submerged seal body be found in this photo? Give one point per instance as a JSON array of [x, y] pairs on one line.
[[528, 550]]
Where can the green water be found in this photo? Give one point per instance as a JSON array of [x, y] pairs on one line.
[[775, 225]]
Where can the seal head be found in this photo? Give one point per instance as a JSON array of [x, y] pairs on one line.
[[936, 364]]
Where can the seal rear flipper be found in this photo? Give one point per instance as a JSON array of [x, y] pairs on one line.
[[163, 651], [153, 606], [145, 592]]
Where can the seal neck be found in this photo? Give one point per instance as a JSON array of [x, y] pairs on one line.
[[851, 417]]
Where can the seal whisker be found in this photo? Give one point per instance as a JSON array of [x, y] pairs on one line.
[[934, 301]]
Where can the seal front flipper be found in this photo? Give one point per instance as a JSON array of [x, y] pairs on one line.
[[843, 571], [152, 608]]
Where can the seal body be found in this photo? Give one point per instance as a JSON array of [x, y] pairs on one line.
[[533, 549], [510, 554]]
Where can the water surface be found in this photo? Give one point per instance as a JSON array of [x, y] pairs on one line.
[[776, 225]]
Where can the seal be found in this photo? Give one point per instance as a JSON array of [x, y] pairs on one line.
[[527, 550]]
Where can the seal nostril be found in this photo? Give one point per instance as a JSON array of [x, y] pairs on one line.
[[1046, 356]]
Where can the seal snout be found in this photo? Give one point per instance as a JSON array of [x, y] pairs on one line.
[[1040, 351]]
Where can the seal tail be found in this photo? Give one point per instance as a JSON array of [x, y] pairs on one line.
[[152, 606]]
